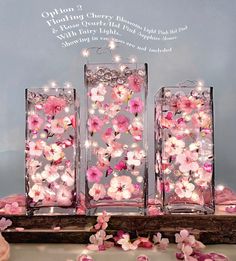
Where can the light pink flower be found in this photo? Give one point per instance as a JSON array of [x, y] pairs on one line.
[[184, 188], [84, 258], [154, 211], [68, 177], [135, 157], [36, 192], [136, 105], [97, 93], [126, 243], [120, 123], [32, 165], [98, 241], [54, 105], [102, 156], [108, 135], [174, 146], [121, 187], [203, 178], [4, 249], [111, 109], [53, 152], [49, 197], [50, 173], [5, 223], [37, 178], [135, 82], [58, 126], [102, 221], [34, 122], [115, 149], [64, 196], [36, 148], [12, 208], [201, 120], [94, 174], [120, 93], [94, 124], [143, 242], [186, 104], [136, 129], [142, 258], [187, 161], [162, 242], [97, 191]]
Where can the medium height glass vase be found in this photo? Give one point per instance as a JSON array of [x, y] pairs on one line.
[[185, 148], [116, 145], [51, 153]]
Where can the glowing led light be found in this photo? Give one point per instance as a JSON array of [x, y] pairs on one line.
[[134, 145], [67, 109], [91, 111], [133, 60], [95, 144], [195, 196], [199, 86], [139, 179], [112, 44], [87, 144], [67, 84], [115, 174], [220, 187], [94, 106], [187, 131], [46, 89], [101, 111], [122, 67], [85, 53], [43, 135], [117, 58]]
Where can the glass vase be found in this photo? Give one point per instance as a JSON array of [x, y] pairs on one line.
[[116, 144], [51, 155], [184, 146]]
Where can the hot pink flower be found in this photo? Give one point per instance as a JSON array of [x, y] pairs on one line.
[[4, 249], [174, 146], [64, 196], [167, 121], [94, 174], [120, 165], [97, 93], [187, 104], [36, 148], [184, 189], [143, 242], [85, 258], [136, 105], [34, 122], [97, 191], [54, 105], [94, 124], [120, 93], [136, 129], [135, 82], [5, 223], [108, 135], [121, 187], [187, 161], [120, 123]]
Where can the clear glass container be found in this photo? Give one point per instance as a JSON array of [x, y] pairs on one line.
[[184, 147], [116, 144], [51, 154]]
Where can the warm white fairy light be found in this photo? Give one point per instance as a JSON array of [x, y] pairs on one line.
[[199, 86], [95, 144], [195, 196], [67, 109], [139, 179], [53, 84], [45, 88], [101, 111], [87, 144], [94, 106], [112, 44], [91, 111], [134, 145], [85, 53], [220, 187], [67, 84], [43, 135], [117, 58], [133, 60]]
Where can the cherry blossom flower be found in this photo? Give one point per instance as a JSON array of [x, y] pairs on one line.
[[174, 146], [108, 135], [13, 208], [136, 105], [184, 188], [115, 149], [36, 148], [97, 191], [50, 173], [94, 124], [187, 161], [143, 242], [120, 93], [102, 221], [4, 249], [84, 258], [186, 104], [154, 211], [54, 105], [32, 165], [120, 165], [203, 178], [142, 258], [111, 109], [36, 192], [167, 121], [37, 178], [5, 223], [53, 152], [64, 196], [135, 157], [121, 187], [136, 129], [58, 126], [49, 197], [103, 161], [162, 242], [120, 123], [99, 241], [97, 93], [135, 82], [201, 119], [68, 177], [126, 243], [94, 174], [34, 122]]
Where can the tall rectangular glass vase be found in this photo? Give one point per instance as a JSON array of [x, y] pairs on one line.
[[116, 145], [184, 147], [51, 155]]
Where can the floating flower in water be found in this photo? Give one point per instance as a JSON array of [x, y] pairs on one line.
[[53, 152], [187, 104], [99, 241], [84, 258], [94, 174], [54, 105], [97, 191], [121, 187], [135, 157], [36, 192], [135, 82], [58, 126], [34, 122], [136, 129], [201, 120], [184, 188], [115, 149], [136, 105], [36, 148], [97, 93], [188, 161], [68, 177], [120, 123], [120, 93], [50, 173], [94, 124], [64, 196], [173, 146]]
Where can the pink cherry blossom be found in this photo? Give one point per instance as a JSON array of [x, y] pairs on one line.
[[13, 208], [154, 211], [126, 243], [120, 123], [135, 82], [36, 192], [94, 124], [54, 105], [64, 196], [136, 129], [167, 121], [121, 187], [58, 126], [99, 241], [5, 223], [34, 122], [4, 249], [84, 258], [50, 173], [162, 242], [201, 120], [142, 258], [115, 149], [97, 191], [186, 104], [120, 93], [49, 197], [112, 109], [102, 221], [174, 146], [36, 148], [97, 93], [188, 161], [184, 188], [143, 242], [135, 157], [68, 177], [94, 174], [108, 135], [53, 152], [120, 165], [136, 105]]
